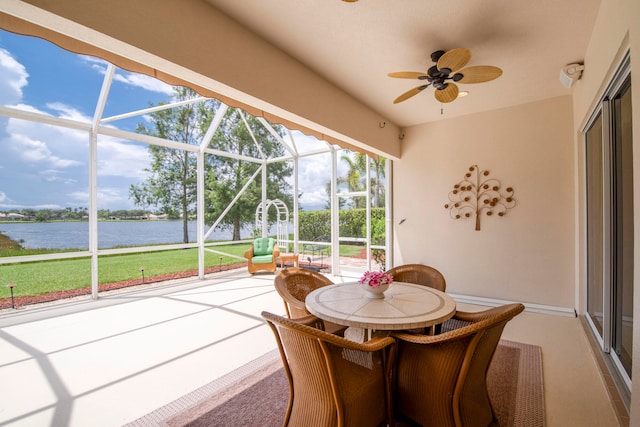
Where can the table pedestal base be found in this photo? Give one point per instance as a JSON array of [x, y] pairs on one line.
[[359, 335]]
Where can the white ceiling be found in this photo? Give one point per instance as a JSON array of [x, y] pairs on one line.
[[355, 45]]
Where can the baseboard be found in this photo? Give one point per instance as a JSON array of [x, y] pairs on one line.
[[535, 308]]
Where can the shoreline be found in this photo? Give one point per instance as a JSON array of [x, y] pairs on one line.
[[70, 235], [7, 243]]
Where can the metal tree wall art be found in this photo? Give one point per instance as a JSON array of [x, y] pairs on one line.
[[477, 194]]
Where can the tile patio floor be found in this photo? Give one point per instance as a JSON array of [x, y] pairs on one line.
[[109, 361]]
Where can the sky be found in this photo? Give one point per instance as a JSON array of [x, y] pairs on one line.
[[42, 166]]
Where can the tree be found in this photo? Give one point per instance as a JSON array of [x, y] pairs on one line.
[[171, 182], [44, 215], [356, 175], [228, 175], [103, 214], [327, 189], [377, 181]]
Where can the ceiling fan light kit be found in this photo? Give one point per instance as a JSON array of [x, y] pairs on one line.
[[448, 71]]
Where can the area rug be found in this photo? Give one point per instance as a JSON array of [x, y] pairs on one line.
[[257, 394]]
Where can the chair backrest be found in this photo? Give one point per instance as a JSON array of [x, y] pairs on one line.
[[441, 379], [263, 246], [420, 275], [332, 381], [294, 284]]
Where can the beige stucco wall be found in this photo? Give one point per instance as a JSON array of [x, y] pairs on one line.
[[527, 255]]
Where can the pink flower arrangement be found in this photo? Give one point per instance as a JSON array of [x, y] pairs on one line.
[[375, 279]]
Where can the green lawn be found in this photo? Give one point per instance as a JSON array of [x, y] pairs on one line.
[[42, 277]]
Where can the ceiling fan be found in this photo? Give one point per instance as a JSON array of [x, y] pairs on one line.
[[448, 69]]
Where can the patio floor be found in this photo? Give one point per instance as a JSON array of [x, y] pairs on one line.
[[109, 361]]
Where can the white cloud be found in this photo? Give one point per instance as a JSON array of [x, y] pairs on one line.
[[52, 146], [14, 78], [66, 112], [117, 158], [144, 82], [108, 197], [3, 197], [52, 175], [113, 197], [25, 107], [33, 150], [132, 79], [97, 64], [81, 197], [25, 206]]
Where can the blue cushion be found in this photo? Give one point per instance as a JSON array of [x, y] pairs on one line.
[[263, 246]]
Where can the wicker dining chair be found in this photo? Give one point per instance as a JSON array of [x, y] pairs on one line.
[[424, 275], [294, 284], [420, 275], [441, 380], [333, 381]]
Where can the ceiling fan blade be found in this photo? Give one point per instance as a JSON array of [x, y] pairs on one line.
[[408, 94], [408, 75], [448, 94], [479, 74], [454, 59]]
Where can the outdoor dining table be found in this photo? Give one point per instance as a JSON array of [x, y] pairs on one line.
[[404, 306]]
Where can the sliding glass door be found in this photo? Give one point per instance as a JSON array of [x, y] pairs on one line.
[[596, 306], [622, 246], [609, 203]]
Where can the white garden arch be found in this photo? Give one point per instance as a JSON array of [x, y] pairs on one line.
[[282, 220]]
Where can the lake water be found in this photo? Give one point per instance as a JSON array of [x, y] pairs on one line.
[[70, 235]]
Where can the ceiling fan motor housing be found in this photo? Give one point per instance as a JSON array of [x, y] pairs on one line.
[[437, 77]]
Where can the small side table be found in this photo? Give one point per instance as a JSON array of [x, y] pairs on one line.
[[289, 258]]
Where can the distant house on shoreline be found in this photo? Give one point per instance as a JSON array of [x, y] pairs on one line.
[[12, 216], [150, 217], [160, 217]]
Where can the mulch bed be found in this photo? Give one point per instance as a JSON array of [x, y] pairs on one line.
[[71, 293], [21, 301]]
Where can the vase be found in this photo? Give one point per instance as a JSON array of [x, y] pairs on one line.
[[376, 293]]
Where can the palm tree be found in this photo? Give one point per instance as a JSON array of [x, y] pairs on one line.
[[357, 173], [377, 178]]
